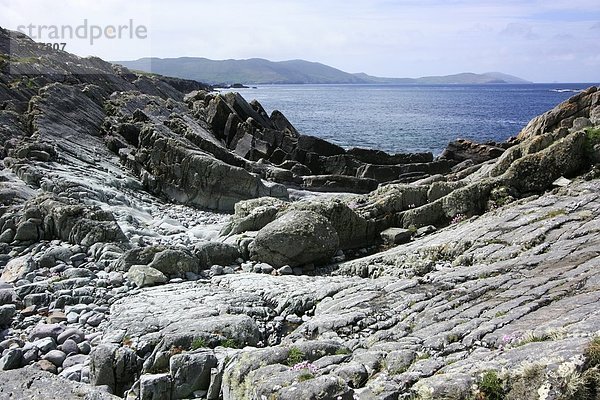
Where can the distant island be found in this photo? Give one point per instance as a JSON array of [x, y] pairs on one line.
[[258, 71]]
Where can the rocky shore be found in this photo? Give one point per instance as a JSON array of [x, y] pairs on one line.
[[162, 241]]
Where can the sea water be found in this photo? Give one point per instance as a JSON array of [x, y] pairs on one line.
[[409, 118]]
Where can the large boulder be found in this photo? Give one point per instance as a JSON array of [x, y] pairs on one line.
[[143, 276], [296, 238], [353, 230], [175, 262], [215, 253], [537, 171], [17, 268], [253, 215]]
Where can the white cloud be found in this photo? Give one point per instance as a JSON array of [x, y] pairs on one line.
[[381, 37], [521, 30]]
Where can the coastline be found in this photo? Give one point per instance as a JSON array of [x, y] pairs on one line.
[[157, 241]]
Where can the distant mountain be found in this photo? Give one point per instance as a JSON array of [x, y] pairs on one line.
[[466, 78], [252, 71], [261, 71]]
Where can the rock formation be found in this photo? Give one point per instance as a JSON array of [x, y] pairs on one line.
[[162, 241]]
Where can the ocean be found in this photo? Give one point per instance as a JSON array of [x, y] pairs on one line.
[[400, 119]]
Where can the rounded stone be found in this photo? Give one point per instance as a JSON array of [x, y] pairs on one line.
[[69, 347], [295, 239], [56, 357]]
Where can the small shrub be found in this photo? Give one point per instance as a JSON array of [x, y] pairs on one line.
[[526, 385], [127, 341], [592, 138], [452, 338], [229, 343], [491, 386], [592, 353], [531, 337], [295, 356], [342, 351], [305, 376], [198, 343], [458, 218], [307, 370]]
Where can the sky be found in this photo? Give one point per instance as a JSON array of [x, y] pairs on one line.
[[541, 41]]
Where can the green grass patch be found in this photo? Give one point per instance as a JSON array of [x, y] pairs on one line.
[[305, 376], [592, 138], [532, 338], [24, 60], [295, 356], [342, 351], [491, 386], [230, 343], [551, 214], [198, 343]]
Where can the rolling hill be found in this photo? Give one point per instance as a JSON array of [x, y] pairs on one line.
[[261, 71]]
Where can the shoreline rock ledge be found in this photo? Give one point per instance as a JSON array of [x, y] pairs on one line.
[[162, 241]]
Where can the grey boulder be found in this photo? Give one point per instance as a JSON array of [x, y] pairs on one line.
[[295, 239], [143, 276]]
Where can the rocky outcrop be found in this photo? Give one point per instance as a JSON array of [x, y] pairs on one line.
[[463, 150], [458, 320], [583, 105]]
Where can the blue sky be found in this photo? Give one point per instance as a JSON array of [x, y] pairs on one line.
[[543, 41]]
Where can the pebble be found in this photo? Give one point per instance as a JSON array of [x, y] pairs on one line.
[[266, 268], [69, 347], [285, 270], [22, 282], [228, 271], [216, 270], [72, 317], [46, 330], [56, 357], [11, 359], [76, 359], [115, 279], [84, 347], [95, 319], [72, 373], [30, 356], [56, 317], [45, 345], [47, 366], [293, 319], [77, 257]]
